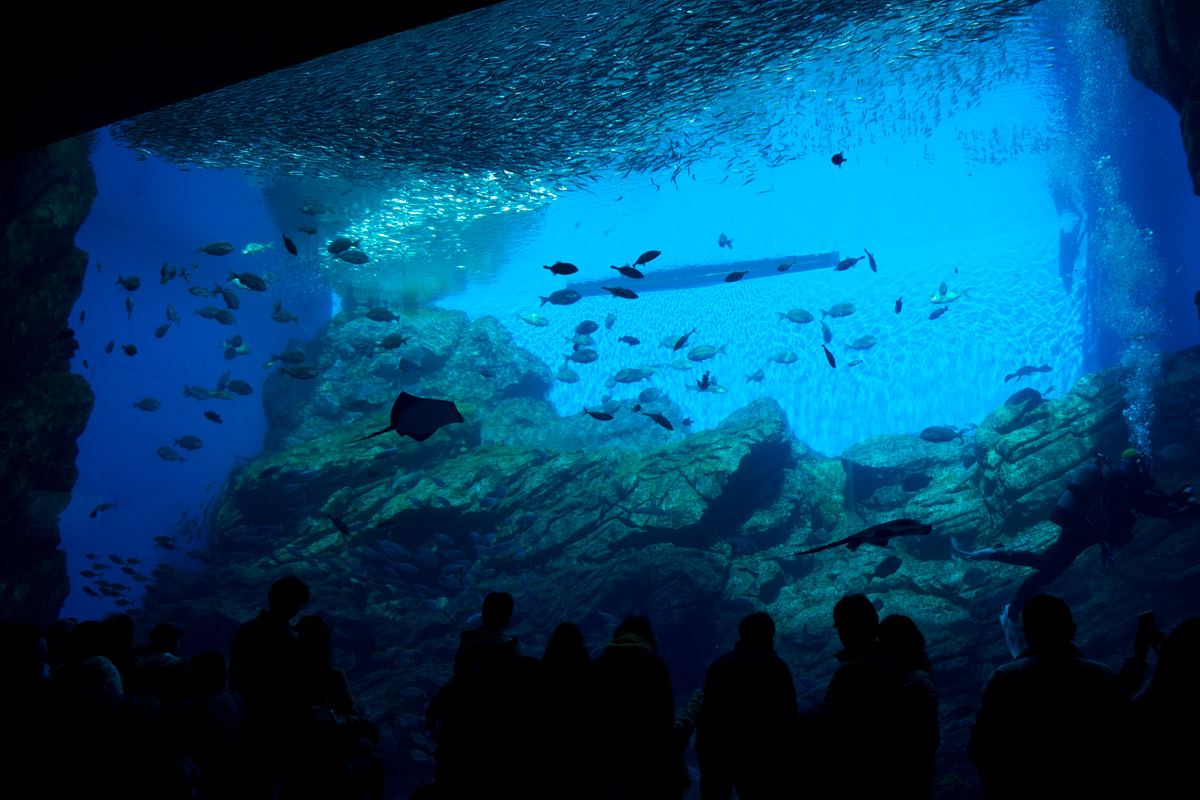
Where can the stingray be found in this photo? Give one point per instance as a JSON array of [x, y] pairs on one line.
[[878, 535], [418, 417]]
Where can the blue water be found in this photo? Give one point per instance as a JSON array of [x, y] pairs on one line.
[[924, 206]]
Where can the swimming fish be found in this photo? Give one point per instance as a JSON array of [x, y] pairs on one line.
[[290, 245], [418, 417], [621, 291], [734, 277], [647, 257], [872, 259], [899, 304], [600, 415], [724, 241], [562, 268], [628, 272], [838, 159], [877, 535], [1026, 371], [829, 357]]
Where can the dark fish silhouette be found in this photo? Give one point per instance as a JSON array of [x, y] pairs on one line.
[[562, 268], [940, 433], [620, 291], [628, 272], [630, 340], [683, 339], [872, 259], [735, 276], [886, 567], [724, 241], [826, 334], [829, 357], [600, 415], [108, 347], [101, 507], [418, 417], [785, 267], [660, 419], [647, 257], [290, 245], [1026, 371], [938, 313], [916, 482], [563, 297], [899, 303], [214, 416], [847, 263], [838, 160], [878, 535]]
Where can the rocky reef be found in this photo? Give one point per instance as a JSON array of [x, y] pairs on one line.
[[45, 196], [1163, 48], [590, 520]]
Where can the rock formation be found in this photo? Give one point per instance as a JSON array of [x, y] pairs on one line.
[[1163, 48], [588, 520], [44, 197]]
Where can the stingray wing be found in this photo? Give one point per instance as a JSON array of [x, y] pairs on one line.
[[421, 417]]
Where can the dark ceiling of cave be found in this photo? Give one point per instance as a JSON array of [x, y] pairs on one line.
[[66, 72]]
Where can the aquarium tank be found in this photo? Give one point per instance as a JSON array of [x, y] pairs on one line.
[[686, 310]]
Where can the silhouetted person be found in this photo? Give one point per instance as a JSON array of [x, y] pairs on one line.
[[326, 736], [918, 735], [56, 640], [635, 706], [860, 706], [578, 753], [488, 641], [119, 631], [485, 719], [161, 673], [1097, 509], [749, 708], [211, 725], [1052, 724], [1166, 713], [264, 669], [23, 669], [86, 666]]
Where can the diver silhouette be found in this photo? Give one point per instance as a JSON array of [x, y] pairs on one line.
[[1097, 508]]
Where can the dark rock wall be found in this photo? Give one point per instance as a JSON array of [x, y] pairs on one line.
[[44, 198], [1162, 40]]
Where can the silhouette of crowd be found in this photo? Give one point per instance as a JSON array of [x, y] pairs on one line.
[[87, 708]]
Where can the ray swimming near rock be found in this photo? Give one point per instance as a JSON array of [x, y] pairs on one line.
[[418, 417], [878, 535]]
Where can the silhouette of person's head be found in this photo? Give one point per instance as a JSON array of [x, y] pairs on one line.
[[497, 611], [118, 634], [164, 638], [24, 649], [903, 643], [56, 639], [639, 626], [1047, 621], [287, 596], [757, 630], [1179, 657], [206, 673], [565, 648], [856, 620], [86, 641]]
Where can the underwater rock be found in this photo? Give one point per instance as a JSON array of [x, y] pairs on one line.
[[43, 406], [1024, 467], [1162, 45]]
